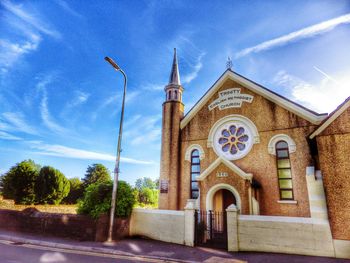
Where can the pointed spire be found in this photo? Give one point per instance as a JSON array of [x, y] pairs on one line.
[[174, 75]]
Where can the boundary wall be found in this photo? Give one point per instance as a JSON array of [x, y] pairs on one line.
[[293, 235], [164, 225], [78, 227]]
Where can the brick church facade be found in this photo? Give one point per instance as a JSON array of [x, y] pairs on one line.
[[246, 145]]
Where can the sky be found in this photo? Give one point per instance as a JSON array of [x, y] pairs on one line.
[[60, 101]]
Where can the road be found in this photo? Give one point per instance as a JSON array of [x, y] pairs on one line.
[[11, 252]]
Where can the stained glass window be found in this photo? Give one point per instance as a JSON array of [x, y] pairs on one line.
[[233, 139]]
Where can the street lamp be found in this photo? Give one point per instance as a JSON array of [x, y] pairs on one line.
[[116, 169]]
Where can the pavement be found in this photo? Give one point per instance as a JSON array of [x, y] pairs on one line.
[[138, 249]]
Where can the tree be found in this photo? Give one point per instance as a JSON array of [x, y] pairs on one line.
[[145, 182], [148, 196], [146, 192], [19, 182], [76, 191], [51, 186], [97, 199], [96, 173]]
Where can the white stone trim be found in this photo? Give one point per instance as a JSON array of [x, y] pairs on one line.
[[331, 118], [281, 137], [194, 147], [232, 118], [231, 165], [159, 211], [215, 188], [284, 103], [291, 202]]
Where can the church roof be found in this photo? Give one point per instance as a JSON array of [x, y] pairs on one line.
[[174, 74], [287, 104], [335, 114]]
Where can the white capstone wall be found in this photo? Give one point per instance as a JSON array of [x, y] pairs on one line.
[[164, 225], [342, 248], [294, 235]]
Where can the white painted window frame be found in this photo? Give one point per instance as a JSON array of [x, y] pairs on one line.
[[234, 118], [190, 150], [281, 137]]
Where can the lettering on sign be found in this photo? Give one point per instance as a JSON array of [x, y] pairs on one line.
[[164, 185], [230, 98], [221, 174]]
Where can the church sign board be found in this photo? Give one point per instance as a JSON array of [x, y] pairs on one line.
[[230, 98]]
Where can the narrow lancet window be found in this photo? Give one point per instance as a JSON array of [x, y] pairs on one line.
[[195, 171], [284, 171]]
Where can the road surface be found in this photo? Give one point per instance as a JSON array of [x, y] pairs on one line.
[[11, 252]]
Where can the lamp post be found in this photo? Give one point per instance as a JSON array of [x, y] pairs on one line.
[[116, 169]]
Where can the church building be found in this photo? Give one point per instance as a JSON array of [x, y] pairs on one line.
[[244, 144]]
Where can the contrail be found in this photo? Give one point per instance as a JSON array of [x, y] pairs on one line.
[[296, 35], [326, 75]]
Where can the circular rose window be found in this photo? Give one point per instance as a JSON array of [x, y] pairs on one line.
[[232, 140]]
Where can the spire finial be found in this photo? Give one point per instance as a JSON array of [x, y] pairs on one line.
[[174, 74], [229, 63]]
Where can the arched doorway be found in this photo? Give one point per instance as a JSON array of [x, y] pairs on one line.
[[209, 200], [211, 224], [222, 199]]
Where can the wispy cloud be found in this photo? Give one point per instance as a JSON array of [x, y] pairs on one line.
[[80, 97], [45, 114], [143, 130], [115, 100], [15, 121], [132, 120], [7, 136], [47, 118], [64, 5], [28, 30], [69, 152], [10, 51], [30, 19], [306, 32], [153, 87], [322, 97], [195, 70], [190, 56]]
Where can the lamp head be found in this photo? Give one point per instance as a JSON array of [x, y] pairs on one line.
[[114, 65]]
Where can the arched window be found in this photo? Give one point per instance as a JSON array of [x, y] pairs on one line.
[[195, 171], [175, 94], [284, 171], [169, 95]]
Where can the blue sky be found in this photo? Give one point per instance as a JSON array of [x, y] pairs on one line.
[[60, 101]]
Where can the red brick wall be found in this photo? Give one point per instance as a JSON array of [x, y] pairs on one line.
[[334, 155], [77, 227], [170, 153]]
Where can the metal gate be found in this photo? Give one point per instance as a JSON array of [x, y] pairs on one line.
[[210, 229]]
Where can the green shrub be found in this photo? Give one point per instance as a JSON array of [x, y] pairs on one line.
[[97, 199], [19, 182], [51, 186], [76, 191]]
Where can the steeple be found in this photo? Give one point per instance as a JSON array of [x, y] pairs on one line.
[[173, 112], [174, 89], [174, 75]]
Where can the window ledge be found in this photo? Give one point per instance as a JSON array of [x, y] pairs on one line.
[[292, 202]]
